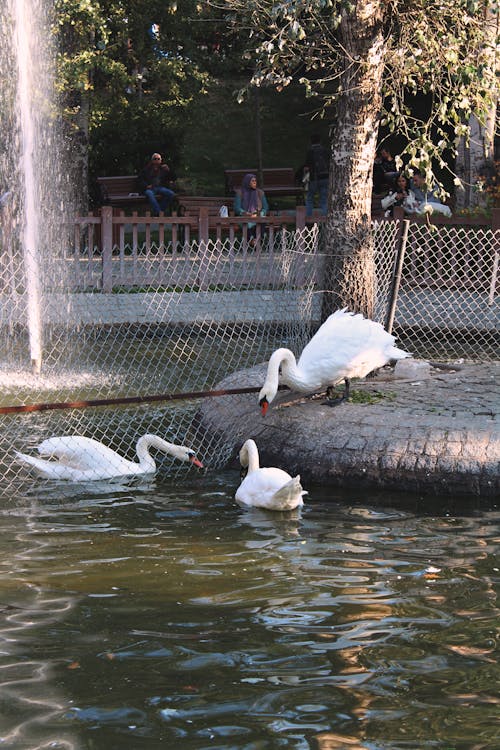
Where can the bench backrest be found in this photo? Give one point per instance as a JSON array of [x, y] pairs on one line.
[[273, 177], [118, 186], [191, 204], [282, 177]]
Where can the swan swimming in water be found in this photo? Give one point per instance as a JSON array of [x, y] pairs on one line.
[[82, 458], [346, 346], [270, 488]]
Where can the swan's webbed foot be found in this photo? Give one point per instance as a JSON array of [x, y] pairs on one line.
[[334, 398]]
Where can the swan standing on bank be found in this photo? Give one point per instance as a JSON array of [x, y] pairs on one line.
[[346, 346], [270, 488], [82, 459]]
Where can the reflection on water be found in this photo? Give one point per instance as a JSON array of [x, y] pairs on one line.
[[143, 614]]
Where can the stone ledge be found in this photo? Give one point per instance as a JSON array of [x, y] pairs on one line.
[[440, 435]]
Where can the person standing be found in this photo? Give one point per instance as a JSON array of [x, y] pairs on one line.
[[385, 171], [153, 180], [316, 171]]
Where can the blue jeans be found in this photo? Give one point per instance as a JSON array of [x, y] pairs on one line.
[[320, 186], [167, 197]]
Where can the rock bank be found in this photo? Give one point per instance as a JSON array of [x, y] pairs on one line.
[[427, 429]]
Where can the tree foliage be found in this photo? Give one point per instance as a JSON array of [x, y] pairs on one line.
[[129, 70], [442, 49]]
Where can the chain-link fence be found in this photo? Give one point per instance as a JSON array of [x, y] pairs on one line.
[[447, 307], [178, 319], [174, 322]]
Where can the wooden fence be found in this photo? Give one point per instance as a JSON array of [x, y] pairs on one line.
[[112, 249]]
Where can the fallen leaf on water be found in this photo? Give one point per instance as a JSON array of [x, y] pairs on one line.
[[475, 698], [477, 653]]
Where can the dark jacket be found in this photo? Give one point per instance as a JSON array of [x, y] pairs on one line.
[[317, 161], [157, 176]]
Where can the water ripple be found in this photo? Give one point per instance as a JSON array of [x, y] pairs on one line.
[[168, 614]]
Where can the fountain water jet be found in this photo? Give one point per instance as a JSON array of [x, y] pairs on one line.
[[31, 229], [31, 169]]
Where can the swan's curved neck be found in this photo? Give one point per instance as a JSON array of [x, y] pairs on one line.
[[152, 441], [250, 456], [285, 359]]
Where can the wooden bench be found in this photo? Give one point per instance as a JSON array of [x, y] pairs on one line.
[[120, 191], [189, 205], [278, 181]]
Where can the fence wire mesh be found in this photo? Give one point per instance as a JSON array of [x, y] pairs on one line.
[[180, 319], [447, 308], [207, 311]]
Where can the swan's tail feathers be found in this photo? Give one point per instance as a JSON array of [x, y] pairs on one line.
[[290, 495], [50, 469], [36, 463], [26, 459], [343, 312], [396, 353]]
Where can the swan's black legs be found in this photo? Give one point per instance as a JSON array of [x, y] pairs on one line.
[[333, 398], [347, 391]]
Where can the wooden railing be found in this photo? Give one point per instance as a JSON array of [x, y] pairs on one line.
[[112, 249], [196, 224], [479, 220]]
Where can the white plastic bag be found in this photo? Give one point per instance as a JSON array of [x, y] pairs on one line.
[[223, 212], [389, 200]]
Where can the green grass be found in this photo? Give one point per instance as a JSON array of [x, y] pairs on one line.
[[373, 397]]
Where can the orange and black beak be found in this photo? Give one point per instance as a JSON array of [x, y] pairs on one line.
[[264, 406], [195, 461]]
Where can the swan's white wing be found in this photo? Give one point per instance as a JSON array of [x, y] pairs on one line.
[[341, 330], [289, 496], [259, 489], [79, 452], [346, 345], [49, 469]]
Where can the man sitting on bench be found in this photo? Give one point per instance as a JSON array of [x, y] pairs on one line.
[[153, 180]]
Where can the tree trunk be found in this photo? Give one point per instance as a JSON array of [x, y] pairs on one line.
[[258, 136], [350, 269], [80, 142], [474, 161], [475, 156]]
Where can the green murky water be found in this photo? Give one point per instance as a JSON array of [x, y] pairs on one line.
[[148, 615]]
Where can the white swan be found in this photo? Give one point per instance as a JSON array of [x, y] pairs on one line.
[[346, 346], [81, 458], [270, 488]]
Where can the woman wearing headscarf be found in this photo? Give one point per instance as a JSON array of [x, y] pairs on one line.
[[250, 200]]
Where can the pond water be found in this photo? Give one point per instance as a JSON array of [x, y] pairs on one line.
[[160, 614]]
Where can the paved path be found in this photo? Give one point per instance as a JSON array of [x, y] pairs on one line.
[[438, 434]]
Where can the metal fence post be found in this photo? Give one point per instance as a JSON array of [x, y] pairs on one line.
[[402, 239], [495, 226]]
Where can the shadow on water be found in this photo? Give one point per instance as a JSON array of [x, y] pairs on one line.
[[143, 613]]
